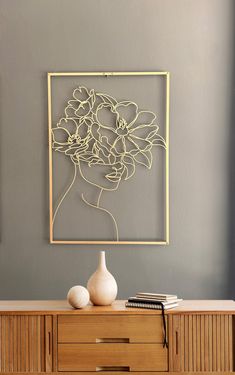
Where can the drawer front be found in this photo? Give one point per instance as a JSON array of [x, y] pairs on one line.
[[91, 329], [96, 357]]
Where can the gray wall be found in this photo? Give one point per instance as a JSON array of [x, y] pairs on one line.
[[194, 41]]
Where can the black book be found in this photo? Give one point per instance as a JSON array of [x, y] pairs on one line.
[[151, 302]]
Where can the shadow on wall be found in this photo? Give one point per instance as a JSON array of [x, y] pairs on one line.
[[231, 193]]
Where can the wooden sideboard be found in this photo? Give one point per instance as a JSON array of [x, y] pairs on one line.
[[50, 336]]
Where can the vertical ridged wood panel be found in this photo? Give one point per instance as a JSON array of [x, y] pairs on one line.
[[200, 343], [22, 346]]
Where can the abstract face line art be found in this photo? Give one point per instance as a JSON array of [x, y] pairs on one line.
[[108, 136]]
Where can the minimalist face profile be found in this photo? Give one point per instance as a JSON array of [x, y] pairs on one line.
[[105, 140]]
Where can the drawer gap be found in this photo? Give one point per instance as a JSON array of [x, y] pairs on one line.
[[112, 368], [106, 340]]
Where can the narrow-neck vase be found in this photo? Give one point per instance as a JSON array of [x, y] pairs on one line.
[[102, 286]]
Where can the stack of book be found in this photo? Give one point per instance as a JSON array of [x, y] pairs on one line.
[[153, 301]]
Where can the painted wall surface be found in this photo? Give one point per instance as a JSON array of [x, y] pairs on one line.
[[191, 39]]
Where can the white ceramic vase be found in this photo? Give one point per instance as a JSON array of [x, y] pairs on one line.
[[102, 286]]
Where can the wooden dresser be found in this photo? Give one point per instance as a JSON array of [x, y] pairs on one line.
[[49, 336]]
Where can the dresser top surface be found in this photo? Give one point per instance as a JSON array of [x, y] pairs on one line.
[[56, 307]]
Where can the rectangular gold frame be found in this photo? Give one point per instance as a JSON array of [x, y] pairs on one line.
[[167, 117]]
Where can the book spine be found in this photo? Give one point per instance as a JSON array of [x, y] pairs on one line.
[[143, 305], [143, 300]]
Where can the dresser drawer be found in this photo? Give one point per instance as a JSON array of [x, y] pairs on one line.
[[95, 357], [91, 329]]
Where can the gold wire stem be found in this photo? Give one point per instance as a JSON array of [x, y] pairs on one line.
[[98, 201], [65, 194], [103, 209]]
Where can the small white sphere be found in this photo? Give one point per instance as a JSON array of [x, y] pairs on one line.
[[78, 296]]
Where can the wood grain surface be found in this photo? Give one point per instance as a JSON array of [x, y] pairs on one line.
[[92, 329], [200, 343], [55, 307], [90, 357]]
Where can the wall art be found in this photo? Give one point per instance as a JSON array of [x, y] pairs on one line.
[[109, 157]]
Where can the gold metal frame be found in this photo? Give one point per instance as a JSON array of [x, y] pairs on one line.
[[106, 74]]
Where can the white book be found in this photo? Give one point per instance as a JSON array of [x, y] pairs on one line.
[[158, 296]]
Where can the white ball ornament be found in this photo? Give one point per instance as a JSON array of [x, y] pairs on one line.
[[78, 296]]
